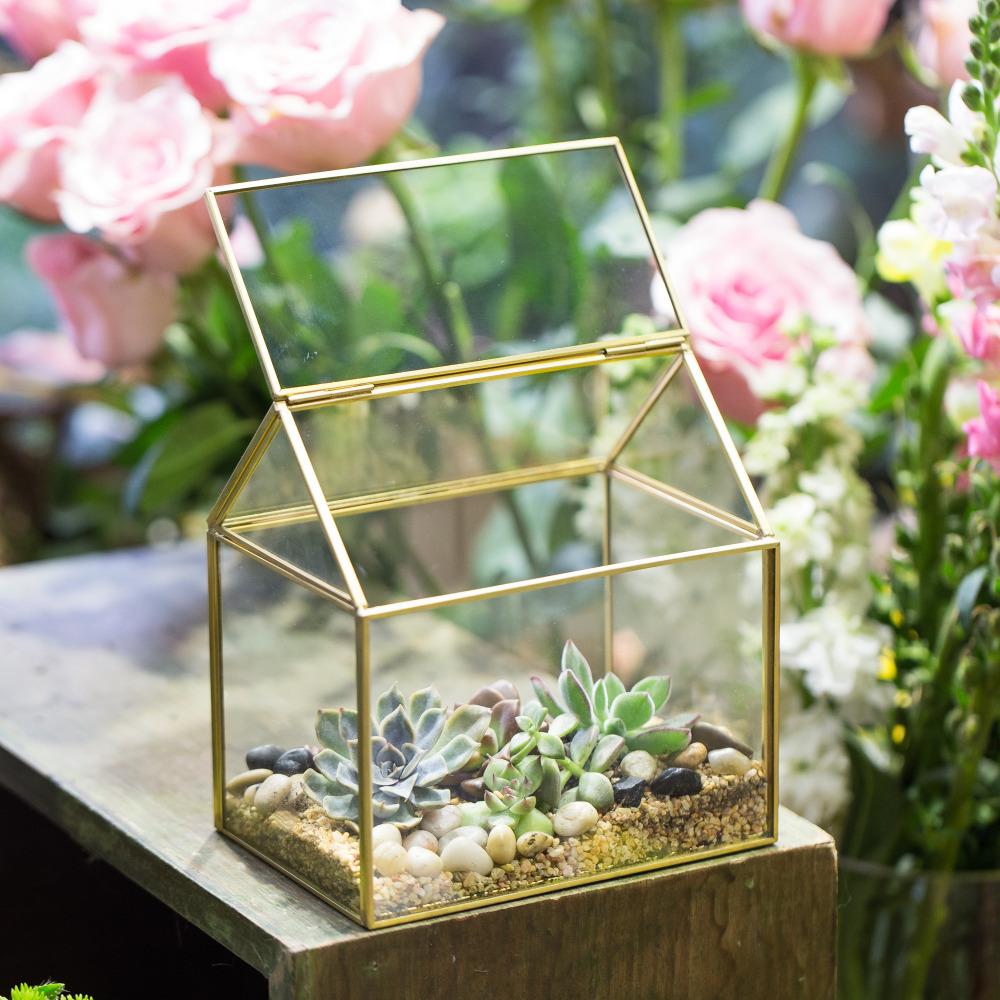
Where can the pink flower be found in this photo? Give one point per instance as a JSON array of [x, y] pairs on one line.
[[319, 85], [748, 281], [828, 27], [976, 326], [153, 36], [983, 433], [114, 312], [37, 27], [955, 203], [136, 169], [38, 110], [47, 358], [943, 42]]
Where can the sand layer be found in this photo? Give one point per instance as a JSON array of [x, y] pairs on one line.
[[304, 840]]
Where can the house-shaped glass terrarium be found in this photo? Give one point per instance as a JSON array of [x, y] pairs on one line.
[[493, 603]]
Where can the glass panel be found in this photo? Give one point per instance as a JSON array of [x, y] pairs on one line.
[[579, 815], [677, 445], [416, 268], [285, 654]]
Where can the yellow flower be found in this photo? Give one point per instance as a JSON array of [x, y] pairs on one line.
[[907, 252], [896, 617], [887, 664], [898, 733], [903, 699]]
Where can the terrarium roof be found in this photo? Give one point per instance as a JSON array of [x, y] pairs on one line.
[[399, 270]]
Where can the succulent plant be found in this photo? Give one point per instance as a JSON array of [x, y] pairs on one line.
[[605, 706], [415, 747], [504, 703]]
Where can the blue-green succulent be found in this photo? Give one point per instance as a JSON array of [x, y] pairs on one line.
[[416, 745]]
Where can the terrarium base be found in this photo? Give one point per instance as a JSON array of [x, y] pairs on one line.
[[728, 810]]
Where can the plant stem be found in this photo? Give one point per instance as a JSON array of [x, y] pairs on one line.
[[673, 73], [604, 59], [258, 223], [540, 32], [779, 167]]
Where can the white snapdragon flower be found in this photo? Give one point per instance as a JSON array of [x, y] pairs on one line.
[[955, 203], [907, 252], [945, 139], [836, 650], [806, 532]]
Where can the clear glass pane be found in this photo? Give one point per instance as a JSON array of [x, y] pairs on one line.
[[416, 268], [286, 653], [483, 654]]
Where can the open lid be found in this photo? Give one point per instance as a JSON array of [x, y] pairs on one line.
[[399, 270]]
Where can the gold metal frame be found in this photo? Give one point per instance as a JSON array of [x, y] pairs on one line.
[[234, 530]]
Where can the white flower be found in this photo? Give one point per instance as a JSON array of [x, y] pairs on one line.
[[827, 484], [814, 769], [930, 132], [778, 380], [907, 252], [804, 530], [955, 203], [835, 650]]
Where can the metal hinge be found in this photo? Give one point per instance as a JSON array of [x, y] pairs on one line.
[[646, 347], [297, 397]]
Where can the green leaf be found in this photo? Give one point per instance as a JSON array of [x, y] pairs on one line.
[[659, 740], [422, 700], [458, 751], [607, 751], [600, 698], [205, 441], [550, 788], [531, 772], [967, 592], [429, 727], [328, 731], [597, 790], [546, 697], [396, 727], [635, 709], [388, 702], [551, 746], [327, 761], [613, 686], [574, 661], [658, 688], [576, 698], [470, 721], [563, 725], [583, 744]]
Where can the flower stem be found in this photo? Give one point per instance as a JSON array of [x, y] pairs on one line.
[[259, 224], [673, 73], [779, 167], [604, 60], [539, 21]]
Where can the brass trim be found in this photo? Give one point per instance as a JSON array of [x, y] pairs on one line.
[[363, 682], [556, 579], [284, 568], [685, 501], [215, 677], [246, 467], [644, 410], [771, 625]]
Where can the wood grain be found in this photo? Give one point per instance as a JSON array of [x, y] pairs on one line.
[[104, 726]]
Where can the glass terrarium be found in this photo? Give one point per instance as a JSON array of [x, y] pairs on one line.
[[493, 602]]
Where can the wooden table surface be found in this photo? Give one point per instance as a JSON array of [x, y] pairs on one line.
[[104, 727]]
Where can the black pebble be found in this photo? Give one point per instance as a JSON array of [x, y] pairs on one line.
[[264, 756], [628, 792], [676, 781], [294, 761]]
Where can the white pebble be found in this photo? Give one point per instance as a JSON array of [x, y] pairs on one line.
[[530, 844], [272, 793], [465, 855], [243, 781], [386, 833], [639, 764], [501, 845], [423, 862], [250, 794], [574, 818], [421, 838], [442, 821], [474, 833], [390, 859], [728, 760]]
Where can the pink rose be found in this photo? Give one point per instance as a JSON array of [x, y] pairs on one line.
[[114, 312], [943, 42], [828, 27], [37, 27], [38, 110], [983, 433], [748, 281], [47, 358], [154, 36], [319, 85], [136, 169]]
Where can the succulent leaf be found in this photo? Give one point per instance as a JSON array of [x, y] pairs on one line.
[[613, 686], [546, 697], [576, 698], [597, 790], [503, 722], [531, 773], [523, 807], [658, 688], [317, 785], [614, 727], [600, 697], [607, 751], [341, 806], [328, 732], [459, 751], [396, 727], [659, 740], [390, 756], [683, 721], [347, 775], [550, 746], [431, 769], [422, 700], [551, 785], [327, 761], [583, 743], [430, 798], [470, 721], [576, 663], [428, 728], [564, 724], [635, 709], [388, 702]]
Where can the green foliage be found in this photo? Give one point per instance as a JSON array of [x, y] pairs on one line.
[[47, 991]]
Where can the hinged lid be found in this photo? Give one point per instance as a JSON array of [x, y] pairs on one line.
[[414, 270]]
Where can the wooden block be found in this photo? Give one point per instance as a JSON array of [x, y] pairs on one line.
[[104, 726]]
